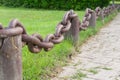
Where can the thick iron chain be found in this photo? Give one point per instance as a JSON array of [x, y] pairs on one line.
[[106, 11], [86, 18], [36, 43]]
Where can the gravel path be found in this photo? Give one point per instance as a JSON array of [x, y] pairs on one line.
[[99, 58]]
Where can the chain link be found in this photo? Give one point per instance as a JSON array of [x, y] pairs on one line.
[[85, 21]]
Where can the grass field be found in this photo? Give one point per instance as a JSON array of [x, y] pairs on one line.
[[39, 66], [116, 2]]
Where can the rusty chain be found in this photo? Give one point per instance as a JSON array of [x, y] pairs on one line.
[[105, 11], [36, 43], [98, 12], [86, 19]]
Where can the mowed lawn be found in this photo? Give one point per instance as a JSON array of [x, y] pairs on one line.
[[39, 66]]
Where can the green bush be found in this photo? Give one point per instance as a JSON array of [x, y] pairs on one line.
[[53, 4]]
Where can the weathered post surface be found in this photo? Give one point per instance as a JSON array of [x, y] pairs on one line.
[[102, 16], [113, 2], [73, 33], [10, 58], [92, 21]]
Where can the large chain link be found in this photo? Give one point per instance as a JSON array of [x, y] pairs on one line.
[[98, 12], [86, 19]]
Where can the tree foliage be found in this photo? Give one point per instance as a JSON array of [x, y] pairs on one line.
[[55, 4]]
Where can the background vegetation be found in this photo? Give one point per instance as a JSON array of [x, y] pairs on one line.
[[53, 4]]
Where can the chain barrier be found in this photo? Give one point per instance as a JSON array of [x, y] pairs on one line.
[[36, 43], [105, 11]]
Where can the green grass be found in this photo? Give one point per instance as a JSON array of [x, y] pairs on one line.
[[39, 66], [106, 68], [78, 76], [94, 71], [116, 2]]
